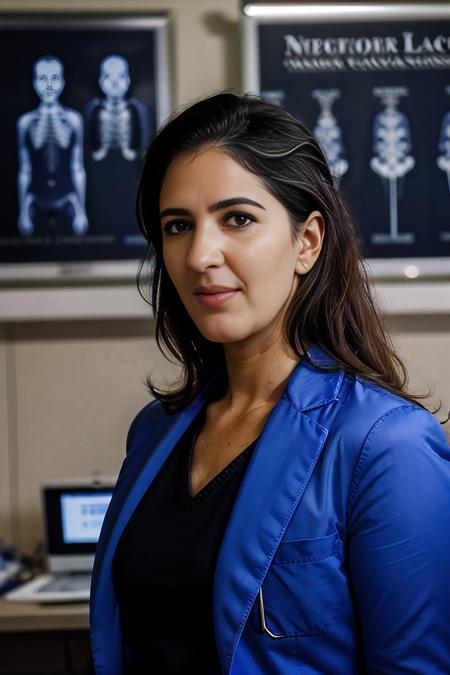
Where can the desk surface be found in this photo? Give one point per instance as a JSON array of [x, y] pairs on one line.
[[23, 616]]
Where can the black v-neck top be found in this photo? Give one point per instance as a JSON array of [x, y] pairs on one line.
[[163, 568]]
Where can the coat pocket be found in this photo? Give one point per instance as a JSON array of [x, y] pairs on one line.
[[302, 589]]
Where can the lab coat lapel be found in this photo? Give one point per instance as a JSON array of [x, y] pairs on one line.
[[279, 470]]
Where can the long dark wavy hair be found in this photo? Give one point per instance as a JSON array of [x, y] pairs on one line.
[[332, 306]]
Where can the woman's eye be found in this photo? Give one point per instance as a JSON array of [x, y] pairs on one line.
[[176, 227], [239, 220]]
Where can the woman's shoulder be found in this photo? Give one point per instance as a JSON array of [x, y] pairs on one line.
[[359, 404], [366, 393], [385, 422], [363, 395], [322, 385], [358, 413]]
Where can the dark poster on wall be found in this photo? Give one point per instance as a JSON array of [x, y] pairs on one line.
[[81, 101], [377, 97]]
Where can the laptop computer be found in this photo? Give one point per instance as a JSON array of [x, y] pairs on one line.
[[73, 513]]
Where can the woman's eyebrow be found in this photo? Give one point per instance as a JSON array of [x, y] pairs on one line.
[[217, 206], [225, 203], [174, 212]]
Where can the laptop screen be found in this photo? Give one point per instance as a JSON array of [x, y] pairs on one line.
[[73, 517], [82, 516]]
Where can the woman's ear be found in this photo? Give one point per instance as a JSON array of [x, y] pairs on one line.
[[309, 242]]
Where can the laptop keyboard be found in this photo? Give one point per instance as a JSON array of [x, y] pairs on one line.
[[67, 583]]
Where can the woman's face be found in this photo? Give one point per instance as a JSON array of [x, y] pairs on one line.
[[227, 247]]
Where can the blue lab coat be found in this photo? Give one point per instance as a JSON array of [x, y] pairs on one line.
[[343, 519]]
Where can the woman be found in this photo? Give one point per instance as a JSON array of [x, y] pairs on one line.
[[287, 508]]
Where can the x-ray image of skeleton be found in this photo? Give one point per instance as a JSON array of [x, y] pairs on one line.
[[443, 160], [51, 176], [329, 134], [116, 123], [392, 158]]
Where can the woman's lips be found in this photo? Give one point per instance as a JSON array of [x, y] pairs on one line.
[[215, 299]]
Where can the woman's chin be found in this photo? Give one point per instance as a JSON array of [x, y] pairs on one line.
[[223, 338], [223, 334]]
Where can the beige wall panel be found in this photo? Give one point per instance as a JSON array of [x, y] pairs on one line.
[[424, 345], [207, 51], [5, 497], [79, 387]]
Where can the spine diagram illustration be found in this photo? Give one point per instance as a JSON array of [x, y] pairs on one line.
[[328, 133], [443, 160], [392, 158], [51, 178]]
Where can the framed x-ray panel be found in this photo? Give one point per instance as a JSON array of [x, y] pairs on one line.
[[373, 84], [81, 98]]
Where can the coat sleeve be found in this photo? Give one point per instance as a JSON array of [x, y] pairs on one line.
[[399, 544]]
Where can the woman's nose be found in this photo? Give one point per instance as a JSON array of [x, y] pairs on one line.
[[205, 249]]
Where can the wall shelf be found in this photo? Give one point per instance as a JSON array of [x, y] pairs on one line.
[[122, 301]]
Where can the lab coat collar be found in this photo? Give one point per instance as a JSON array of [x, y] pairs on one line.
[[305, 390]]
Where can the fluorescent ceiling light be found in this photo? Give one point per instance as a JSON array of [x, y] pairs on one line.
[[351, 10]]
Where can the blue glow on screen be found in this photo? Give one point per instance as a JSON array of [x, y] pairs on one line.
[[82, 516]]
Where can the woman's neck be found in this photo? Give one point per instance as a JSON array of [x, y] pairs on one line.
[[257, 374]]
